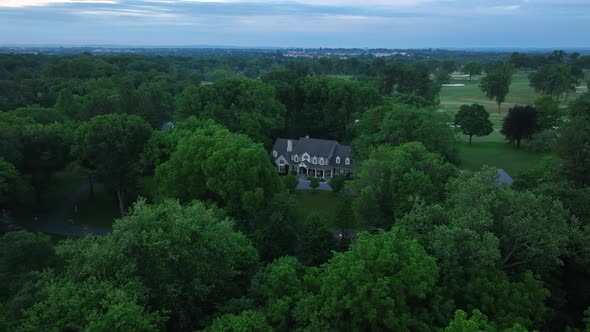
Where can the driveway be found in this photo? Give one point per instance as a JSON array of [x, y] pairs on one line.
[[304, 185]]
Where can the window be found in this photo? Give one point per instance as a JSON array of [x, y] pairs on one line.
[[315, 160], [321, 161], [296, 158], [274, 154], [305, 157], [337, 160], [282, 162], [347, 161]]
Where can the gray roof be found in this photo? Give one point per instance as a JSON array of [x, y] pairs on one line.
[[342, 151], [167, 126], [504, 178], [315, 147], [281, 146]]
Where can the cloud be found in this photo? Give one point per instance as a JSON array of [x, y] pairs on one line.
[[32, 3]]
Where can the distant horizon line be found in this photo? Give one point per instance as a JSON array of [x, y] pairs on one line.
[[205, 46]]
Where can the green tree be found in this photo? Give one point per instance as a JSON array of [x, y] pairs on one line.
[[242, 105], [214, 165], [381, 282], [110, 146], [291, 181], [21, 253], [316, 241], [392, 178], [573, 145], [474, 120], [44, 150], [519, 124], [68, 104], [181, 261], [337, 183], [496, 83], [471, 68], [8, 181], [245, 321], [549, 114], [399, 124], [554, 80]]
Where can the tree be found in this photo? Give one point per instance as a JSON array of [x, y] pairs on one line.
[[69, 105], [380, 283], [337, 183], [519, 124], [245, 321], [391, 179], [496, 83], [442, 76], [549, 115], [242, 105], [573, 145], [8, 180], [182, 262], [215, 165], [316, 241], [314, 183], [554, 80], [291, 181], [21, 253], [471, 68], [449, 66], [399, 124], [474, 120], [110, 145], [44, 150]]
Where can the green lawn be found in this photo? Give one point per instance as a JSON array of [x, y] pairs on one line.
[[500, 155], [324, 202], [491, 150]]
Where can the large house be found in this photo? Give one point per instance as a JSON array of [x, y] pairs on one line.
[[312, 157]]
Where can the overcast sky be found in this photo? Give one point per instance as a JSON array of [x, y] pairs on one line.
[[298, 23]]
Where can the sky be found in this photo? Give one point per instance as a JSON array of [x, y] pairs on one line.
[[298, 23]]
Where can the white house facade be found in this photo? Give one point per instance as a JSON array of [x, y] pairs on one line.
[[312, 157]]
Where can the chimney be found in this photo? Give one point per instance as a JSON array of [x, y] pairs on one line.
[[289, 145]]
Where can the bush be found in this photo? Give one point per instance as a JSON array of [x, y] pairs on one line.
[[314, 183], [291, 181], [337, 183]]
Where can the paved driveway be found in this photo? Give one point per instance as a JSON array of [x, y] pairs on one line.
[[304, 185]]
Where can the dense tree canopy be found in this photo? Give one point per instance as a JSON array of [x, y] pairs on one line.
[[399, 124], [110, 146], [391, 179], [215, 165]]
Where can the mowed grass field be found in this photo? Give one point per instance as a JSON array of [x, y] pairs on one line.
[[317, 201], [492, 150]]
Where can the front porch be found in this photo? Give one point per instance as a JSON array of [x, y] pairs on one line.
[[313, 172]]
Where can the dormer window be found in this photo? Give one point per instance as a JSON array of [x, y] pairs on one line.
[[347, 161], [337, 160], [305, 157], [321, 161], [274, 154], [296, 158], [314, 160]]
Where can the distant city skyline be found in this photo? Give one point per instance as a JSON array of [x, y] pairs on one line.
[[302, 23]]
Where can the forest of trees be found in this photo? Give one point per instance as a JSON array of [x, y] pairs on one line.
[[424, 245]]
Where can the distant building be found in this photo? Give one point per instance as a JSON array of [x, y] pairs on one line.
[[313, 157]]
